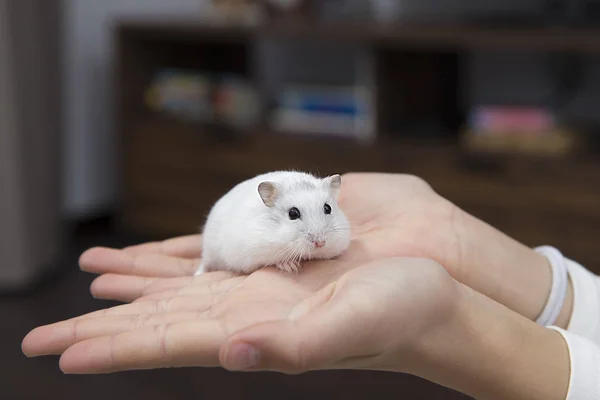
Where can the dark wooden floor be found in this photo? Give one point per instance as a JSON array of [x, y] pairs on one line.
[[68, 295]]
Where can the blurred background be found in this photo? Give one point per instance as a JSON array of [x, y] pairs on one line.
[[124, 120]]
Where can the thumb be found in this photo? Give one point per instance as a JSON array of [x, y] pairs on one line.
[[319, 333]]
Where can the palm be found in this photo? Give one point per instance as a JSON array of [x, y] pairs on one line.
[[399, 215], [181, 324]]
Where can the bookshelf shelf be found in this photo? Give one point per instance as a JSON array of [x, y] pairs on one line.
[[420, 35], [173, 171]]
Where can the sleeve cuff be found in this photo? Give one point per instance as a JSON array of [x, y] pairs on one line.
[[584, 382], [585, 318]]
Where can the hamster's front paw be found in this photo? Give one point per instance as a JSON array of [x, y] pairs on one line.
[[289, 266]]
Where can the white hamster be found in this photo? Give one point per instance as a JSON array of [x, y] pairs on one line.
[[275, 219]]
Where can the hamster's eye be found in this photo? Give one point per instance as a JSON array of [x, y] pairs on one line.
[[294, 213], [327, 209]]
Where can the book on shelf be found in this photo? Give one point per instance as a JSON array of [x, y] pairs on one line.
[[198, 96], [344, 111], [517, 129]]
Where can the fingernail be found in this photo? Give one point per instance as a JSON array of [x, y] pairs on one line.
[[243, 356]]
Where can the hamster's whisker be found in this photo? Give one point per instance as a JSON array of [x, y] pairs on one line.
[[292, 254], [340, 229], [285, 253], [282, 253], [297, 251]]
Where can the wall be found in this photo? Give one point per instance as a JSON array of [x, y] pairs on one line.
[[89, 167], [30, 231]]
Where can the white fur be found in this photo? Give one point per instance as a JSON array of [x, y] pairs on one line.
[[242, 234]]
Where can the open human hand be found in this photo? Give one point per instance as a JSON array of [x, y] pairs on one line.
[[334, 315], [391, 215], [366, 310]]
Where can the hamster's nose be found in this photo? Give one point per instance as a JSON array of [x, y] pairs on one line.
[[320, 243]]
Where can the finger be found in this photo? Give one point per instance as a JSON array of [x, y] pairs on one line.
[[129, 288], [180, 344], [189, 246], [211, 279], [102, 260], [124, 288], [320, 333], [56, 338], [215, 287], [198, 302]]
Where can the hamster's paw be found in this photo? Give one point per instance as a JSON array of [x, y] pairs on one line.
[[289, 266]]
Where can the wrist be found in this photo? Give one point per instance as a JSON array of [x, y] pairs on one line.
[[508, 271], [488, 352]]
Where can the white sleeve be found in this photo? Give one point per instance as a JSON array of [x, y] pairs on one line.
[[585, 318], [584, 383], [583, 334]]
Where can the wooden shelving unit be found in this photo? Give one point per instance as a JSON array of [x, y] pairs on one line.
[[174, 171], [418, 35]]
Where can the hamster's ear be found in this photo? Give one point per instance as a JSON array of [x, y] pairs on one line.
[[268, 193], [334, 182]]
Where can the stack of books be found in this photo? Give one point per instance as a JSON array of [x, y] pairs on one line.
[[516, 129], [344, 111], [201, 97]]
